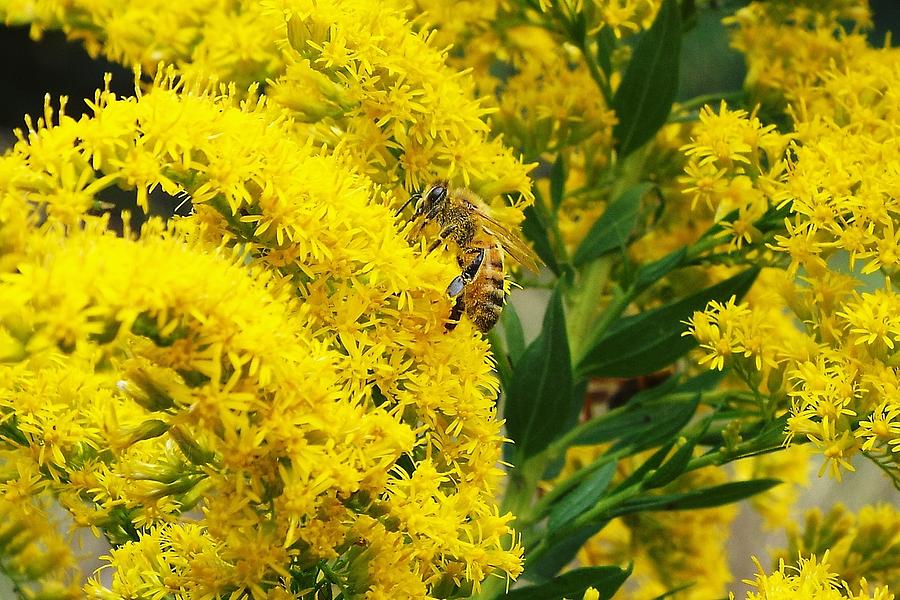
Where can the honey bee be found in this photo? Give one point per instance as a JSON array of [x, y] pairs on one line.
[[482, 244]]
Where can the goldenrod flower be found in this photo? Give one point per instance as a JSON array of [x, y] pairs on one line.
[[810, 580], [833, 175], [278, 362]]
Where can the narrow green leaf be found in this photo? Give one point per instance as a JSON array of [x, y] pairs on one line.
[[644, 97], [648, 465], [652, 340], [677, 463], [606, 45], [515, 335], [558, 181], [708, 380], [540, 398], [641, 425], [535, 227], [560, 554], [652, 272], [727, 493], [709, 497], [612, 230], [675, 590], [582, 497], [501, 356], [573, 584]]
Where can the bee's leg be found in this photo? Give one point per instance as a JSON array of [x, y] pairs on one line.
[[440, 238], [455, 291], [456, 286], [471, 270]]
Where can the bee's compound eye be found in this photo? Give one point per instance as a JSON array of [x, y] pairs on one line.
[[436, 194]]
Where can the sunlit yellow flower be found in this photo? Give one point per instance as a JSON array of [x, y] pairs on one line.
[[289, 403], [810, 580], [859, 546]]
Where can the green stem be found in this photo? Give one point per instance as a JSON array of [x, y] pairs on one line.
[[596, 72]]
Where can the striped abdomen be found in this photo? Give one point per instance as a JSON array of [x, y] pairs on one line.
[[484, 296]]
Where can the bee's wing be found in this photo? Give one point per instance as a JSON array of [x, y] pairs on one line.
[[511, 242]]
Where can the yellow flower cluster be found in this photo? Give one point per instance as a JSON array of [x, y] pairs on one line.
[[735, 165], [867, 543], [258, 397], [789, 43], [755, 337], [622, 17], [811, 580], [356, 76], [232, 40], [550, 101], [35, 556], [837, 178], [394, 106]]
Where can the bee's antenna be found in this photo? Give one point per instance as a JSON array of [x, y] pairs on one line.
[[415, 197]]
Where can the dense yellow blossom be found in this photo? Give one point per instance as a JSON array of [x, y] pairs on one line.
[[788, 44], [357, 77], [837, 179], [35, 556], [811, 580], [620, 16], [231, 39], [863, 545], [277, 361]]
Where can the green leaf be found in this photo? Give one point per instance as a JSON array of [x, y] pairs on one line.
[[644, 97], [641, 424], [501, 356], [606, 45], [675, 590], [535, 227], [540, 398], [558, 173], [652, 272], [703, 382], [709, 497], [515, 336], [613, 229], [646, 467], [573, 584], [560, 554], [582, 497], [677, 463], [652, 340]]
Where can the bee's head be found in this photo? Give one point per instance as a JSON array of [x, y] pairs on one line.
[[429, 204]]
